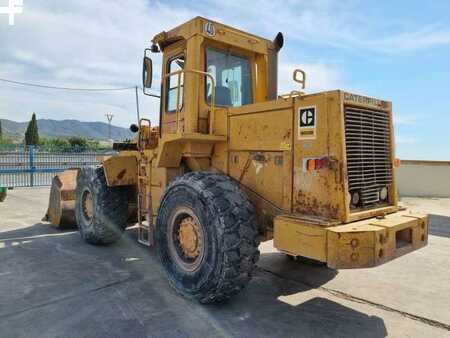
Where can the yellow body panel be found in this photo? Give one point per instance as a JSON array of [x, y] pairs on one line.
[[266, 130], [318, 193], [121, 170], [262, 172], [175, 146]]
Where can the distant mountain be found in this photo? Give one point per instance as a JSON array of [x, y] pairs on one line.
[[66, 128]]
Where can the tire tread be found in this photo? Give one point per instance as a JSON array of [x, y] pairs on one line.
[[237, 232], [110, 209]]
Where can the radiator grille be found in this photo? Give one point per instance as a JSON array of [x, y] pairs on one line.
[[368, 146]]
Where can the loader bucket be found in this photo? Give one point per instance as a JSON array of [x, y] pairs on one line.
[[61, 208]]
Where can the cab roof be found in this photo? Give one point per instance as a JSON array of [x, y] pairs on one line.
[[213, 30]]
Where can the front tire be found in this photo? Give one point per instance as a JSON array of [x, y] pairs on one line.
[[206, 236], [101, 211]]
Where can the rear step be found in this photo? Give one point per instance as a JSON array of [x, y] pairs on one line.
[[145, 236]]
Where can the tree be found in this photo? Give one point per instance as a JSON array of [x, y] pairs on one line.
[[54, 144], [32, 133], [78, 143], [1, 132]]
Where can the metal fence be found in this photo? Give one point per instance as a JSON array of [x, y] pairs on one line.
[[34, 167]]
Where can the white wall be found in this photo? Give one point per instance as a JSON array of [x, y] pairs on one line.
[[424, 178]]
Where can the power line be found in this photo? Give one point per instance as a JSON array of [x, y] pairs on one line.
[[75, 89], [66, 88], [86, 90]]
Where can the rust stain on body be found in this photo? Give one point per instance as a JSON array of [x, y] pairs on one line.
[[310, 205], [121, 174]]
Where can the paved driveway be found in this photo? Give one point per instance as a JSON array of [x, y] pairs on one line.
[[52, 284]]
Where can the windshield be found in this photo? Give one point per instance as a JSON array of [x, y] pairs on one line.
[[232, 77]]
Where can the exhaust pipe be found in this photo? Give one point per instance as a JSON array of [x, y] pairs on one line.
[[277, 44], [278, 41]]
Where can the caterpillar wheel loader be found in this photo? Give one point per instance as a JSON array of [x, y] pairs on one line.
[[232, 163]]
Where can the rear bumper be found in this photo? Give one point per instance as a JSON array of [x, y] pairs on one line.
[[359, 244]]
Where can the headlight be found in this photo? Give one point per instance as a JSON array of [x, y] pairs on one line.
[[383, 194]]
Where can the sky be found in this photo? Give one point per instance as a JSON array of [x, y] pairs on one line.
[[392, 50]]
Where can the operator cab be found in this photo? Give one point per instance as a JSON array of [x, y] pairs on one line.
[[209, 66]]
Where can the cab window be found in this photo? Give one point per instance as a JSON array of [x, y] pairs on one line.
[[174, 64], [232, 77]]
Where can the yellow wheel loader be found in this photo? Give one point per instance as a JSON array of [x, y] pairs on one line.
[[233, 163]]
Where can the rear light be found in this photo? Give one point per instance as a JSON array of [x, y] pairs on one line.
[[311, 165], [397, 162], [318, 163]]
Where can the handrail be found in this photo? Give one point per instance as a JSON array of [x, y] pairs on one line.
[[213, 94], [140, 136], [302, 81], [296, 79], [293, 93]]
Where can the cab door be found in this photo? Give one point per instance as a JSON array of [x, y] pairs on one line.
[[172, 99]]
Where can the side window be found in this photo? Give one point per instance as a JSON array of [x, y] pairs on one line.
[[232, 77], [174, 65]]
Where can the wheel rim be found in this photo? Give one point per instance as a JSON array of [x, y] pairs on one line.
[[87, 206], [186, 239]]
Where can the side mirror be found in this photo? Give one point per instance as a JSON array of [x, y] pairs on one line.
[[147, 73]]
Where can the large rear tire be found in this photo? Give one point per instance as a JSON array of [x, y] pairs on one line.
[[206, 236], [101, 211]]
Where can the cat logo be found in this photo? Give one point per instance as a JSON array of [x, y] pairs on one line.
[[210, 30], [307, 117], [307, 123]]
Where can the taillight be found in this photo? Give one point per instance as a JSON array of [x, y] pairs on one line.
[[318, 163]]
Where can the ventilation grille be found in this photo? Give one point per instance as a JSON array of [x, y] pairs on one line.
[[368, 145]]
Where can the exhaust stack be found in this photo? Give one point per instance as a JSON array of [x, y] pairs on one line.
[[278, 43]]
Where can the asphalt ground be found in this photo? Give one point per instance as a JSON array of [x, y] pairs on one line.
[[52, 284]]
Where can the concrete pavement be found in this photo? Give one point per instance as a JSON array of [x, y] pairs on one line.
[[52, 284]]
